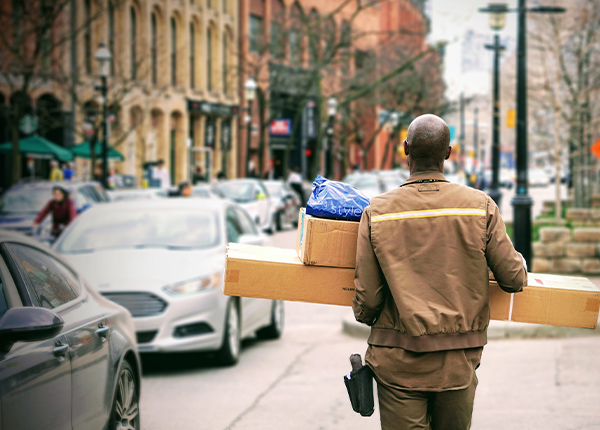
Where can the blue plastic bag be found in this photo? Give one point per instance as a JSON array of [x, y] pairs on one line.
[[336, 200]]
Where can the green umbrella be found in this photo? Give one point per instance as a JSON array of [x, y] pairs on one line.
[[83, 151], [40, 146]]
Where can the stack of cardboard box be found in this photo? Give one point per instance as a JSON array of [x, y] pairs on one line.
[[321, 270]]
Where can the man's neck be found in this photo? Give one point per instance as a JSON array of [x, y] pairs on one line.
[[418, 170]]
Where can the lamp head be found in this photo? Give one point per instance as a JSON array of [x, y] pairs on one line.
[[104, 57]]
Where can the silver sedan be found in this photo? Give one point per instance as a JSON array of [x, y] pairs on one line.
[[164, 260]]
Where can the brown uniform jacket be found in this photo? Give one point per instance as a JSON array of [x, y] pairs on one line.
[[422, 265]]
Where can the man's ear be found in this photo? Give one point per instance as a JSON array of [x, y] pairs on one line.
[[448, 153], [405, 147]]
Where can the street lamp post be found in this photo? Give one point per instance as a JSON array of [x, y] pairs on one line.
[[104, 56], [250, 87], [522, 202], [497, 13], [331, 111]]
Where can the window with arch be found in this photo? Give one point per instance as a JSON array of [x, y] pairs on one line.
[[153, 48], [295, 35], [133, 42], [209, 62], [192, 56], [277, 46], [87, 36], [314, 38], [173, 52]]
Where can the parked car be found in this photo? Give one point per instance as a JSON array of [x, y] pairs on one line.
[[285, 203], [252, 195], [377, 182], [68, 355], [136, 194], [538, 178], [164, 261], [20, 204], [206, 191]]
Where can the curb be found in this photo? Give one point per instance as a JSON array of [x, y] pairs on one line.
[[496, 330]]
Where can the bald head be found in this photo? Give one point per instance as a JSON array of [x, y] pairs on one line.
[[428, 139]]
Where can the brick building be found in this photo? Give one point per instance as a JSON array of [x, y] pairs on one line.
[[301, 53]]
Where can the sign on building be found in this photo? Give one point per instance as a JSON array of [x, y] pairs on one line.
[[280, 127]]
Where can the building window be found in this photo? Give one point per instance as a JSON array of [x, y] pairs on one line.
[[224, 62], [111, 35], [173, 52], [87, 36], [295, 46], [277, 41], [153, 48], [256, 31], [133, 46], [192, 57], [209, 50]]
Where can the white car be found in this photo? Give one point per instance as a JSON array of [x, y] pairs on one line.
[[538, 178], [164, 260], [253, 196]]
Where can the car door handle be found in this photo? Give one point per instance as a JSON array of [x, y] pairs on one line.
[[60, 350], [102, 331]]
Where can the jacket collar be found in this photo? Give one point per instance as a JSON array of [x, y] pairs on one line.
[[430, 174]]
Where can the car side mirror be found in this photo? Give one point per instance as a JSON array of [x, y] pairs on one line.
[[28, 324], [250, 239]]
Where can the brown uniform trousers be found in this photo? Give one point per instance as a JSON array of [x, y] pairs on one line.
[[412, 410]]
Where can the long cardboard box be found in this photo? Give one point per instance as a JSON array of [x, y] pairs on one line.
[[273, 273], [326, 242], [278, 274]]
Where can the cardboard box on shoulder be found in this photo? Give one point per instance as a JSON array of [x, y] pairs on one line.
[[556, 300], [278, 274], [326, 242]]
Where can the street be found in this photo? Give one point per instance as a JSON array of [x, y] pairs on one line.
[[296, 382]]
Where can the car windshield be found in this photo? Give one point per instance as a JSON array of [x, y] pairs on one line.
[[25, 200], [240, 192], [126, 195], [176, 229], [275, 189]]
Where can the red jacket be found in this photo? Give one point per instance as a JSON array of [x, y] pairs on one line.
[[62, 214]]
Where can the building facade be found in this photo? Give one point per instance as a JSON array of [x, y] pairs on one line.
[[172, 84]]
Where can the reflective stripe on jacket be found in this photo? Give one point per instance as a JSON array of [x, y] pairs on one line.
[[422, 265]]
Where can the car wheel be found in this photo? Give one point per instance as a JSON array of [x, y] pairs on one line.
[[230, 351], [125, 413], [275, 329]]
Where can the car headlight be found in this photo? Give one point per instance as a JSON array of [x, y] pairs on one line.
[[194, 285]]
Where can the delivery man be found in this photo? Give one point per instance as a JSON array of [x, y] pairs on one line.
[[421, 282]]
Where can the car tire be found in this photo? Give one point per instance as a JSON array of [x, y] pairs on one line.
[[126, 394], [275, 329], [229, 353]]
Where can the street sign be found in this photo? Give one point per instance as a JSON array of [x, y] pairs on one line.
[[595, 148], [280, 127]]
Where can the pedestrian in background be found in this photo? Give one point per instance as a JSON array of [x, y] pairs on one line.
[[185, 189], [61, 208], [68, 171], [421, 281], [55, 173], [198, 175], [294, 180], [161, 174]]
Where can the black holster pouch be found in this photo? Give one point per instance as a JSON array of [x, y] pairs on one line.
[[360, 389]]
